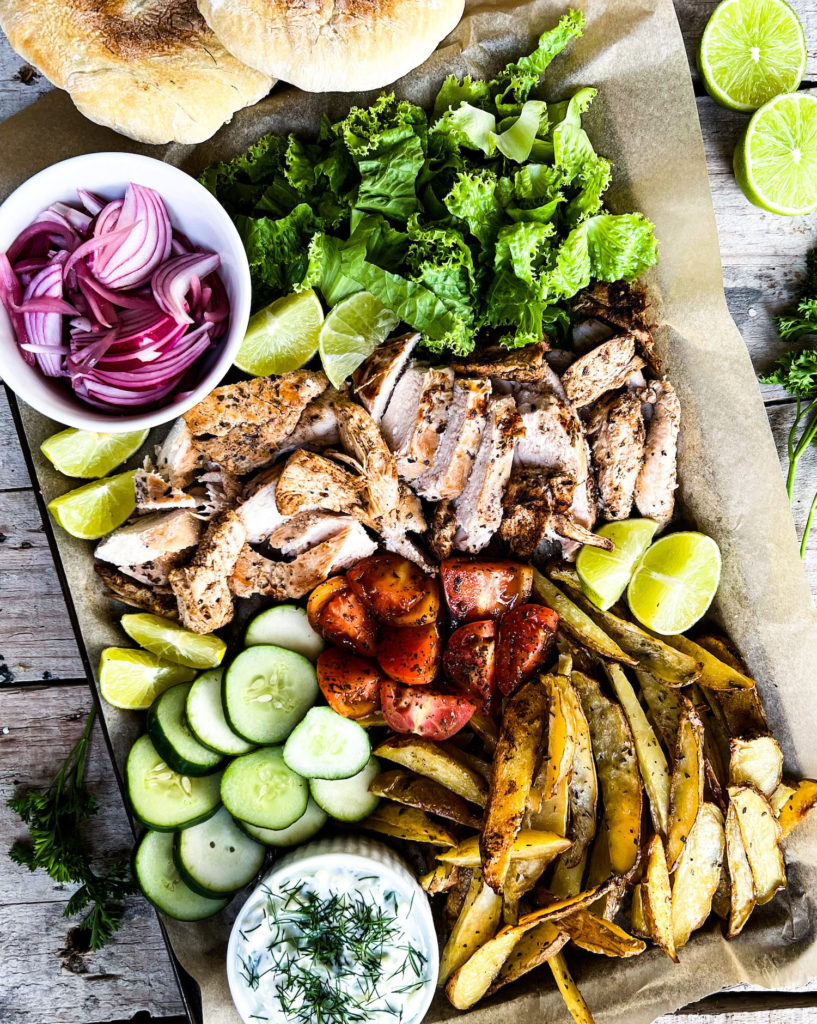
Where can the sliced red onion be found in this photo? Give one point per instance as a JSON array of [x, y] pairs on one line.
[[146, 247], [47, 305], [92, 203], [174, 279], [76, 219], [11, 295], [45, 329]]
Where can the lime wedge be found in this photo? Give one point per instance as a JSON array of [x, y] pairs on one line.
[[91, 511], [604, 574], [776, 160], [283, 336], [173, 642], [88, 453], [675, 581], [751, 51], [351, 331], [134, 679]]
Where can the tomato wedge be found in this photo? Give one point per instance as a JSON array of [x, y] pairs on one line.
[[351, 685], [411, 654], [338, 614], [426, 610], [476, 589], [469, 662], [388, 584], [526, 637], [424, 712]]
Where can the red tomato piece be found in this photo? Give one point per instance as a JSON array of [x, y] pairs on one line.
[[469, 662], [424, 611], [476, 589], [424, 712], [411, 654], [526, 637], [351, 685], [336, 612], [390, 585]]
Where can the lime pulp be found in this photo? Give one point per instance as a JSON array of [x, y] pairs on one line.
[[351, 332], [88, 453], [604, 575], [283, 336], [134, 679], [91, 511], [174, 643]]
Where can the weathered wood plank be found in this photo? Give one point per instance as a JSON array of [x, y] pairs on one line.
[[13, 470]]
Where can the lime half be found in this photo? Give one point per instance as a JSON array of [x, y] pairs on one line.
[[173, 642], [283, 336], [751, 51], [776, 160], [604, 574], [88, 453], [675, 581], [95, 509], [351, 332], [134, 679]]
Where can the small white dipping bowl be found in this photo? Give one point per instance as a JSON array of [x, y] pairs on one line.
[[353, 853], [193, 211]]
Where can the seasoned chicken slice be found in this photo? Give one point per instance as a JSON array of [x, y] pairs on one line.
[[455, 454], [155, 573], [304, 530], [622, 306], [400, 417], [393, 529], [310, 481], [656, 483], [523, 365], [176, 457], [201, 589], [137, 595], [443, 529], [154, 494], [430, 422], [374, 380], [479, 507], [318, 425], [602, 369], [149, 537], [222, 490], [616, 426], [259, 511], [361, 437]]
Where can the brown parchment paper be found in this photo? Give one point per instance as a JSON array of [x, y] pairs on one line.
[[645, 120]]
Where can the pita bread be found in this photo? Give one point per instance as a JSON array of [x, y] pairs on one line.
[[150, 69], [332, 45]]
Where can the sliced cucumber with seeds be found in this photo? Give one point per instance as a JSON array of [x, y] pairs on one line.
[[260, 789], [285, 626], [171, 735], [161, 882], [165, 800], [348, 799], [205, 716], [311, 821], [216, 858], [267, 691], [327, 746]]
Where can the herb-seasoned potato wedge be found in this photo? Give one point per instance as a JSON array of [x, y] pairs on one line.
[[740, 708], [761, 833], [687, 784], [553, 814], [566, 880], [664, 705], [698, 874], [573, 998], [757, 762], [741, 883], [656, 899], [533, 949], [582, 785], [617, 767], [797, 806], [484, 728], [722, 900], [638, 922], [408, 823], [597, 935], [528, 844], [715, 674], [782, 794], [404, 787], [457, 895], [478, 922], [441, 879], [561, 741], [438, 761]]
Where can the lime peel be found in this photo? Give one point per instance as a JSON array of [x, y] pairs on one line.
[[283, 336], [604, 575], [351, 332], [88, 454], [93, 510], [172, 642]]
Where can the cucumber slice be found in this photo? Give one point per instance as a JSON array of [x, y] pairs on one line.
[[160, 881], [216, 858], [311, 821], [205, 716], [327, 746], [285, 626], [171, 735], [164, 800], [267, 691], [348, 799], [259, 788]]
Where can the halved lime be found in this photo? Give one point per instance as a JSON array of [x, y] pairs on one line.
[[751, 51], [675, 581], [134, 679], [91, 511], [283, 336], [173, 642], [604, 574], [88, 453], [351, 331], [776, 160]]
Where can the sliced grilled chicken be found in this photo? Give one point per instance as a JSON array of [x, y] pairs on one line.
[[318, 425], [304, 530], [223, 490], [259, 511], [430, 421], [155, 574], [150, 537], [656, 483], [602, 369], [309, 481], [458, 446], [479, 507], [400, 417], [622, 306], [176, 457], [204, 598], [155, 494], [361, 437], [617, 429], [137, 595], [443, 529], [374, 380], [523, 365]]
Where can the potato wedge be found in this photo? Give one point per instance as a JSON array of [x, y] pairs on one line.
[[722, 900], [517, 752], [404, 787], [715, 674], [638, 922], [761, 833], [561, 739], [457, 895], [797, 806], [577, 623], [438, 761], [724, 650], [664, 705], [781, 796], [651, 758], [741, 709], [478, 921], [440, 879], [687, 783], [597, 935], [716, 746], [582, 785], [533, 949], [599, 869], [697, 874], [742, 898], [486, 729], [408, 823], [757, 762], [574, 1001], [565, 880], [528, 844], [656, 899], [553, 814], [617, 767]]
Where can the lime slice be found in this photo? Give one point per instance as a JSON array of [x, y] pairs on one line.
[[675, 581], [134, 679], [351, 331], [751, 51], [776, 160], [283, 336], [604, 574], [91, 511], [173, 642], [88, 453]]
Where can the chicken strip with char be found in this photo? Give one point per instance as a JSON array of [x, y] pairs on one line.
[[204, 598], [657, 480], [604, 368], [616, 426]]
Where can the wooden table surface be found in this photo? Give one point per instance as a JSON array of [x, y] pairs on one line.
[[44, 696]]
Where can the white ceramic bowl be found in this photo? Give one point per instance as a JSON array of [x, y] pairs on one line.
[[346, 853], [193, 210]]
